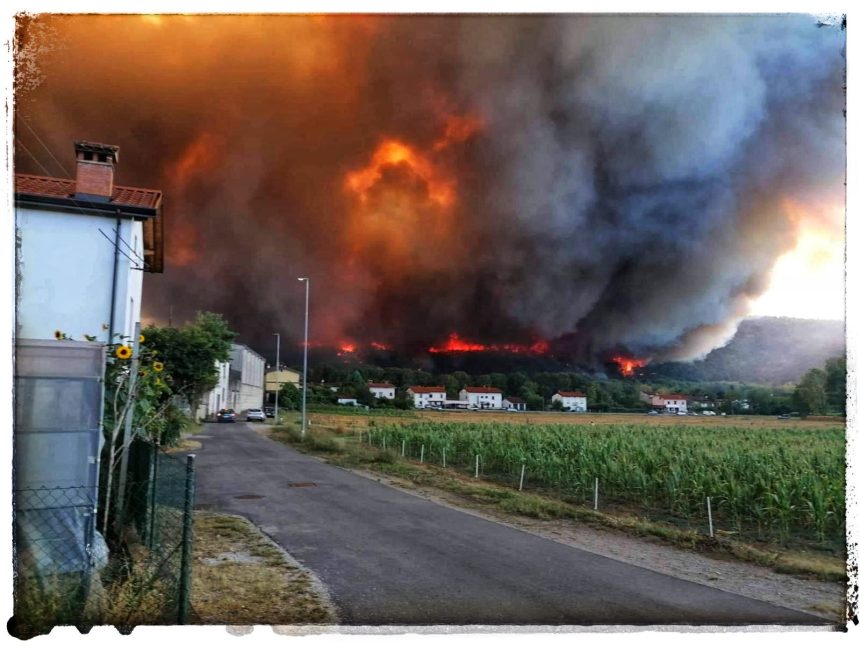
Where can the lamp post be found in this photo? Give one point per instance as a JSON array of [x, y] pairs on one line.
[[307, 282], [277, 374]]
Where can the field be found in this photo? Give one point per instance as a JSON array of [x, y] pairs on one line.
[[766, 478]]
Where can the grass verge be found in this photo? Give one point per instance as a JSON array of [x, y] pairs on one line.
[[345, 452], [240, 577]]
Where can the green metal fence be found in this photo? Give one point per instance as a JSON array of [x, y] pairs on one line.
[[66, 573]]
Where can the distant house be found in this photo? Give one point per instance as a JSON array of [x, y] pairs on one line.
[[513, 403], [427, 396], [276, 378], [347, 400], [482, 398], [381, 390], [572, 401], [671, 402], [246, 378], [675, 403]]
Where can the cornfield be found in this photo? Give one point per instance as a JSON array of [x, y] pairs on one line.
[[764, 483]]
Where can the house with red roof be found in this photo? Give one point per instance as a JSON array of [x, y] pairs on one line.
[[84, 245], [427, 396], [381, 390], [482, 398], [571, 401]]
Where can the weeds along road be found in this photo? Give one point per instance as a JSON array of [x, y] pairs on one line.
[[391, 558]]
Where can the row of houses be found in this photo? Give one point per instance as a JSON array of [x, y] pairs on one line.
[[470, 398]]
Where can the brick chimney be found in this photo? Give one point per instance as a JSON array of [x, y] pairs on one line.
[[94, 177]]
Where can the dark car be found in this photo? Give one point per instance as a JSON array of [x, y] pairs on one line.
[[270, 411], [226, 416]]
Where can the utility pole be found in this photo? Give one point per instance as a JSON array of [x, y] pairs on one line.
[[277, 374], [307, 282]]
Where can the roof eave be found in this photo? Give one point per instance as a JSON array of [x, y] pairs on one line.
[[89, 207]]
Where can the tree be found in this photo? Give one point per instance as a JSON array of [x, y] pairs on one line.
[[810, 396], [835, 376], [289, 397], [191, 353]]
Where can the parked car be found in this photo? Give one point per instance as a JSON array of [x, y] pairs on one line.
[[653, 412], [270, 411], [784, 416], [255, 414], [226, 416], [709, 413]]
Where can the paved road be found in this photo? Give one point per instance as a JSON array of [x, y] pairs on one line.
[[391, 558]]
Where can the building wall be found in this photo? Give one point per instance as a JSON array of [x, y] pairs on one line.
[[428, 399], [573, 403], [479, 400], [251, 367], [382, 392], [274, 380], [219, 396], [66, 275]]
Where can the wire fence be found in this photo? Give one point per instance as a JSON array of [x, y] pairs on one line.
[[67, 573], [797, 501]]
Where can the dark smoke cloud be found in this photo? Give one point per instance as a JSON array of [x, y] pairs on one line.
[[627, 188]]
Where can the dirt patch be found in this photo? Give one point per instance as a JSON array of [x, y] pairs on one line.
[[241, 577], [825, 599]]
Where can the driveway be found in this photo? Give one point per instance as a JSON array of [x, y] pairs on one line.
[[391, 558]]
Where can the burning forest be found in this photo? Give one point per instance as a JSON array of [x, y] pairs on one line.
[[602, 188]]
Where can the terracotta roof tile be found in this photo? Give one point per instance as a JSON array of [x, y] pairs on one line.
[[426, 389], [571, 393], [482, 390], [65, 189]]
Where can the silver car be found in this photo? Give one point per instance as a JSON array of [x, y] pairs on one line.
[[255, 414]]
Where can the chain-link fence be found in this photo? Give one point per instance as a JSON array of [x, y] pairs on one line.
[[67, 573]]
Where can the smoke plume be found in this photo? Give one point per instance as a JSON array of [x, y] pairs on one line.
[[604, 183]]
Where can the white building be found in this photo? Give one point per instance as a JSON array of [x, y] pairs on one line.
[[572, 401], [427, 396], [83, 247], [381, 390], [484, 398], [513, 403], [219, 396], [669, 402], [247, 369], [675, 403], [347, 400]]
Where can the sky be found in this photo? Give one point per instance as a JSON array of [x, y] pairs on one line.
[[591, 184]]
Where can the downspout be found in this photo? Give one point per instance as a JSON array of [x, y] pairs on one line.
[[115, 272]]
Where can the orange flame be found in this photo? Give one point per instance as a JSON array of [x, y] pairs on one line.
[[380, 346], [628, 366], [457, 344]]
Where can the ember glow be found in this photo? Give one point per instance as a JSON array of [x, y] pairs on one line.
[[628, 366], [528, 181], [455, 344]]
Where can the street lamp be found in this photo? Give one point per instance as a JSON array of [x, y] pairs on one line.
[[307, 282], [277, 374]]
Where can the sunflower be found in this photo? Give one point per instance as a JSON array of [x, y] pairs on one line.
[[158, 366], [58, 335], [141, 338], [123, 352]]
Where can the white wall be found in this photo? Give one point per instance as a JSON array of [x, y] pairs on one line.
[[219, 396], [252, 367], [66, 275], [491, 401], [382, 392]]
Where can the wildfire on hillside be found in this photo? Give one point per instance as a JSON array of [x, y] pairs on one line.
[[455, 343], [627, 366]]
